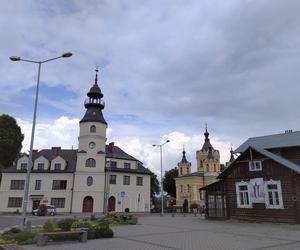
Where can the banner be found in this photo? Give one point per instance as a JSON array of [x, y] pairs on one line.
[[257, 190]]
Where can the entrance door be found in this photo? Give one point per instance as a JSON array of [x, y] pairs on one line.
[[88, 203], [111, 204], [35, 204]]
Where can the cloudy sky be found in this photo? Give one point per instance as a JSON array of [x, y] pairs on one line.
[[166, 68]]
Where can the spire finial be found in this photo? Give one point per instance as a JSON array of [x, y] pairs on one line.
[[183, 149], [96, 77], [206, 134], [231, 154]]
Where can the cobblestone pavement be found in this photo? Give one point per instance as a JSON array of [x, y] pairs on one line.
[[177, 233]]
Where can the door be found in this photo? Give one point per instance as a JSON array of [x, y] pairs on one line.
[[111, 204], [88, 203], [35, 204]]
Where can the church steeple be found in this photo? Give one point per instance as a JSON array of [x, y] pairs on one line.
[[94, 104], [206, 144], [231, 155], [183, 160]]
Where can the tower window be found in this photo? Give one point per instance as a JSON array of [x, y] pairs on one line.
[[90, 163], [207, 168], [215, 168], [93, 129]]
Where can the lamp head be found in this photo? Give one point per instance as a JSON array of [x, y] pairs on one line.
[[154, 145], [167, 141], [15, 58], [67, 54]]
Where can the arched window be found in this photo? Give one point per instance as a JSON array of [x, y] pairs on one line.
[[207, 168], [93, 129], [215, 168], [90, 163]]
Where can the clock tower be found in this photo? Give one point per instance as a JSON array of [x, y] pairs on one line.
[[88, 191]]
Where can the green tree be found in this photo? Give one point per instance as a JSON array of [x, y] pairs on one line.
[[155, 189], [169, 182], [11, 139]]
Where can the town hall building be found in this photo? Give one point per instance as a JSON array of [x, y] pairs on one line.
[[93, 178]]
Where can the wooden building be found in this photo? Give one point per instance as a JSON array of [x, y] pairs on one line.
[[262, 184]]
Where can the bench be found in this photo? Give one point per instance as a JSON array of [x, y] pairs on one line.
[[11, 247], [42, 238]]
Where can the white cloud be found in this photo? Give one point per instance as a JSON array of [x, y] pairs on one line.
[[62, 132]]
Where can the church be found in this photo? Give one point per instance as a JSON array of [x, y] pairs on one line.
[[96, 177], [188, 183]]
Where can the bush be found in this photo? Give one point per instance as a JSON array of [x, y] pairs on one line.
[[49, 226], [65, 224], [13, 230], [42, 210], [93, 217], [100, 231], [22, 237], [194, 205], [127, 210], [81, 224]]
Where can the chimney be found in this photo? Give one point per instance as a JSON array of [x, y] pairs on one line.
[[55, 150], [111, 146], [34, 151]]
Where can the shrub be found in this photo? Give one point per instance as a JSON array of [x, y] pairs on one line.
[[42, 210], [22, 237], [93, 217], [13, 230], [49, 226], [194, 205], [65, 224], [127, 210], [103, 232], [81, 224]]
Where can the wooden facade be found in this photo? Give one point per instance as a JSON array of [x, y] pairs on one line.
[[278, 166]]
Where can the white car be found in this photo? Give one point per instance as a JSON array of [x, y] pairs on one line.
[[51, 210]]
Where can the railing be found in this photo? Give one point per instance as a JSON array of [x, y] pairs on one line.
[[94, 101]]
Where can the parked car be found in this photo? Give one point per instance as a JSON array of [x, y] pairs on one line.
[[51, 210]]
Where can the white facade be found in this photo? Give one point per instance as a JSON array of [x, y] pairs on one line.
[[75, 180]]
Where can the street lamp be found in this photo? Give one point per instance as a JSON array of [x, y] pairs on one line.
[[17, 58], [161, 175]]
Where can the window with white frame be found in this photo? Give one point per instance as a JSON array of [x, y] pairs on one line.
[[273, 194], [243, 195], [255, 166]]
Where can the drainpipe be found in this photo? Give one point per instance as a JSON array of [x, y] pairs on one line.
[[72, 193]]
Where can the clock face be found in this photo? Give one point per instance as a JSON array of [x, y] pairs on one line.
[[92, 145]]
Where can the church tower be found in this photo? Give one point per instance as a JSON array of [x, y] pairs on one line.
[[208, 158], [90, 168], [184, 167]]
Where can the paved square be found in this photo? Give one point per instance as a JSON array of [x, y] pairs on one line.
[[157, 233]]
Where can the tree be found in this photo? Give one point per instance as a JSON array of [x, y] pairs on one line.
[[11, 139], [169, 182], [155, 189]]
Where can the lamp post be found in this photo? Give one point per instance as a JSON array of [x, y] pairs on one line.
[[17, 58], [161, 175]]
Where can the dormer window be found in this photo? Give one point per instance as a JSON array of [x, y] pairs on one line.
[[255, 166], [41, 166], [127, 165], [23, 166], [93, 129], [57, 166]]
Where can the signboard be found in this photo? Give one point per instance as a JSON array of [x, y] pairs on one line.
[[257, 190], [122, 194]]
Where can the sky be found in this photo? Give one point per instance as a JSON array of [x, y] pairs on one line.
[[166, 68]]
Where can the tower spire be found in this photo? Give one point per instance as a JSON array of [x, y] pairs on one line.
[[96, 76], [94, 104], [231, 155]]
